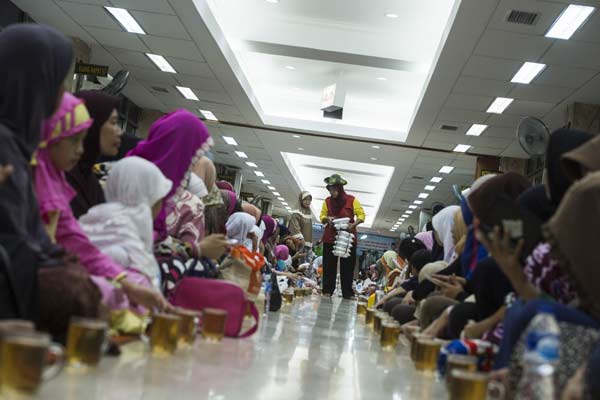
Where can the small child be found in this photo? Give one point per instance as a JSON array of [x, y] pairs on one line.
[[282, 253]]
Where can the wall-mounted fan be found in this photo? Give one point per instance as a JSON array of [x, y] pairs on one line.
[[117, 84], [533, 136]]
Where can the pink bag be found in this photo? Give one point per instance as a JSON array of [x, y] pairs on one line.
[[200, 293]]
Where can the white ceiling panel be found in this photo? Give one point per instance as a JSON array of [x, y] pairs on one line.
[[499, 132], [186, 50], [500, 69], [455, 114], [512, 45], [547, 12], [153, 76], [529, 108], [188, 67], [483, 87], [90, 15], [100, 2], [207, 84], [132, 58], [504, 121], [546, 94], [118, 39], [476, 103], [157, 6], [161, 25], [555, 75], [579, 54], [490, 142]]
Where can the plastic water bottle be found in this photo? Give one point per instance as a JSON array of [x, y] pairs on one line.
[[540, 358], [268, 289]]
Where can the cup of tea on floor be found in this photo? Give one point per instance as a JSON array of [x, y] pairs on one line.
[[370, 316], [298, 292], [86, 341], [380, 316], [426, 354], [390, 330], [288, 297], [459, 361], [469, 385], [213, 324], [11, 326], [24, 361], [164, 333], [361, 308], [188, 326]]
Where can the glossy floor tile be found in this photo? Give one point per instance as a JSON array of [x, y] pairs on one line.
[[312, 349]]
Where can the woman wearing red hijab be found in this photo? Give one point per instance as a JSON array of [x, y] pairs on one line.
[[339, 205]]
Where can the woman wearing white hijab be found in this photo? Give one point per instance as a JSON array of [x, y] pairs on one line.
[[122, 227], [443, 222], [239, 226]]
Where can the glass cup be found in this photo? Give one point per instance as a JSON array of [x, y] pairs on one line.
[[11, 326], [361, 308], [213, 324], [378, 319], [288, 297], [164, 333], [469, 385], [86, 341], [24, 360], [459, 361], [370, 316], [390, 330], [298, 292], [307, 291], [426, 354], [188, 325]]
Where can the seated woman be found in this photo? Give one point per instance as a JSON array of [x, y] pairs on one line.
[[59, 151], [122, 227]]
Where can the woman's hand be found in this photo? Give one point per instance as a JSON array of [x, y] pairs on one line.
[[449, 285], [213, 246], [146, 297], [408, 299]]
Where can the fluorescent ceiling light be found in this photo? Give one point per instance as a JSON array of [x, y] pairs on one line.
[[281, 199], [251, 164], [409, 211], [402, 219], [241, 154], [374, 177], [362, 237], [418, 202], [476, 130], [284, 203], [527, 72], [404, 215], [301, 148], [209, 115], [272, 1], [375, 147], [187, 93], [271, 188], [423, 195], [277, 193], [266, 182], [229, 140], [499, 105], [296, 136], [381, 78], [291, 68], [413, 207], [436, 179], [258, 173], [461, 148], [373, 159], [161, 63], [392, 15], [126, 20], [430, 187], [392, 230], [446, 169], [569, 21]]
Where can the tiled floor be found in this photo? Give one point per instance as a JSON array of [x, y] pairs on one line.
[[313, 349]]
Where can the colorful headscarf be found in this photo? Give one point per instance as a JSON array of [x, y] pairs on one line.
[[174, 143], [443, 223], [270, 228], [54, 192], [426, 238], [224, 185], [282, 252]]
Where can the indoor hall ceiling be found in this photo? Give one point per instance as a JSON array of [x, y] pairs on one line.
[[481, 54]]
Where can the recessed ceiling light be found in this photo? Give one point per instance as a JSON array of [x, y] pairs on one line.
[[229, 140], [528, 72], [409, 211], [288, 208], [423, 195], [280, 198], [499, 105], [241, 154], [258, 173], [301, 148], [266, 182], [392, 15], [373, 159], [381, 78], [413, 207], [418, 202], [161, 63], [429, 187], [126, 20], [251, 164], [208, 115], [375, 147], [187, 93], [284, 203], [276, 193], [272, 1], [404, 215], [402, 219], [296, 136], [271, 188], [569, 21], [461, 148], [290, 67], [476, 130], [446, 169], [436, 179]]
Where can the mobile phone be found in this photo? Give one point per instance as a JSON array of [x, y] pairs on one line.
[[232, 242]]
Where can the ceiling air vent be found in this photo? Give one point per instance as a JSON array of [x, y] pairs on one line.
[[449, 128], [159, 89], [222, 152], [420, 178], [522, 17]]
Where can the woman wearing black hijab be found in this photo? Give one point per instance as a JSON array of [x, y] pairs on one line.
[[103, 139], [34, 61]]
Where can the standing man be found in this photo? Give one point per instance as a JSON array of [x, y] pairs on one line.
[[339, 205]]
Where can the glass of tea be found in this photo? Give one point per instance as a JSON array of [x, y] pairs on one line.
[[361, 308], [213, 324], [24, 361], [426, 354], [164, 333], [390, 330], [188, 325], [86, 341]]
